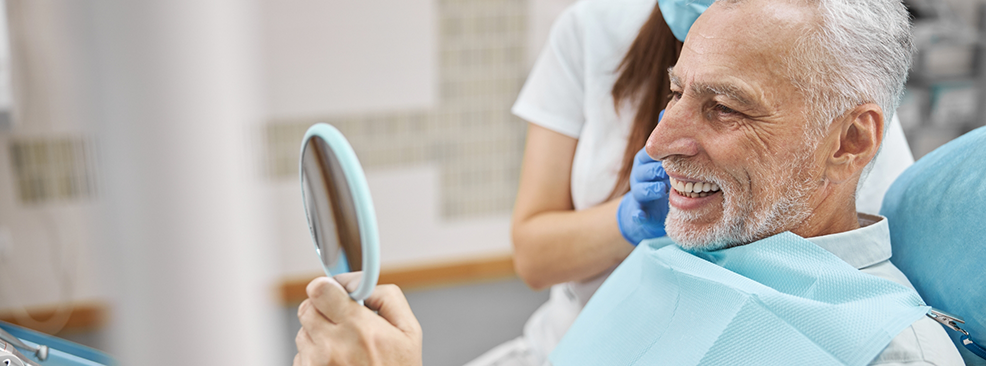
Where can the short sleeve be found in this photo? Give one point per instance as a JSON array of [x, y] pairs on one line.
[[553, 96]]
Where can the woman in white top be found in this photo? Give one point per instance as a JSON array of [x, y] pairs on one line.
[[591, 101]]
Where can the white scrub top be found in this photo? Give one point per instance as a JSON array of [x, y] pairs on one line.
[[569, 91]]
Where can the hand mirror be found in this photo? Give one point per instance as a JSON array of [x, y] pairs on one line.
[[338, 206]]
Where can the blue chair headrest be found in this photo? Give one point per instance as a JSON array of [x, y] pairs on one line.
[[937, 215]]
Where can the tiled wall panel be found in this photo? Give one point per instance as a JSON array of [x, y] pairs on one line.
[[471, 132], [52, 169]]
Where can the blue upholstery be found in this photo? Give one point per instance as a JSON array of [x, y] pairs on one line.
[[937, 216], [61, 352]]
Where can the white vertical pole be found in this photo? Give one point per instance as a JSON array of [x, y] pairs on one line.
[[190, 266]]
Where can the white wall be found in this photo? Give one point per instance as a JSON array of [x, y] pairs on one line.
[[186, 249], [172, 91], [542, 16], [338, 56], [318, 58], [46, 249], [411, 230]]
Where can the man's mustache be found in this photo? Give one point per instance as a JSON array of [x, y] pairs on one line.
[[691, 169]]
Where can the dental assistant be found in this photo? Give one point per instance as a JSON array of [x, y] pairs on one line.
[[591, 100]]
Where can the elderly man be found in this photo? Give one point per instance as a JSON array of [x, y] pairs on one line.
[[780, 104]]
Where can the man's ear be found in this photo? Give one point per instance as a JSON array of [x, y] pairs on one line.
[[860, 135]]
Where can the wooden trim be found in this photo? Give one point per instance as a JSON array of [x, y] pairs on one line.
[[91, 316], [83, 317], [422, 276]]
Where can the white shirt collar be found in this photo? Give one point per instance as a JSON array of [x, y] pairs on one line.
[[863, 247]]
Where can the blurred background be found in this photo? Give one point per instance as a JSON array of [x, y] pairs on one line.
[[149, 195]]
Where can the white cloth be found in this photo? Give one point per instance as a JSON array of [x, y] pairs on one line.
[[925, 342], [569, 91], [868, 248]]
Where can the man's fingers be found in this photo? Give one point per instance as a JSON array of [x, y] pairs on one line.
[[304, 305], [349, 280], [390, 304], [310, 353], [319, 281], [312, 320], [329, 298], [303, 341], [305, 347]]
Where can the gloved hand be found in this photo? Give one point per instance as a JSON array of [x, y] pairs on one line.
[[642, 211]]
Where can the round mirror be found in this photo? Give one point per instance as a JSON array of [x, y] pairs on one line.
[[338, 206]]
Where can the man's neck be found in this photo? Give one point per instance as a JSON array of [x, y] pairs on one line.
[[832, 215]]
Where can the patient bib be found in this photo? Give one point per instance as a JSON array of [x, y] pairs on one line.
[[779, 301]]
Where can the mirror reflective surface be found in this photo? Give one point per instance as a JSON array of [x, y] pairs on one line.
[[330, 207], [338, 207]]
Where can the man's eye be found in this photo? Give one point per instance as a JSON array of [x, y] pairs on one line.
[[674, 95], [724, 109]]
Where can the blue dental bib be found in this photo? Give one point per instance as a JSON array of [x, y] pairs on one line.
[[778, 301]]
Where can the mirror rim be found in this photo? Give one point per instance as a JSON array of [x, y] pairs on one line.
[[366, 217]]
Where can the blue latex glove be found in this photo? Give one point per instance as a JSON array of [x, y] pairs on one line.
[[642, 211]]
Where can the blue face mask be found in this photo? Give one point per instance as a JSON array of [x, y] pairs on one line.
[[680, 14]]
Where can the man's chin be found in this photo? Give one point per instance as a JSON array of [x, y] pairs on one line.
[[692, 238], [727, 233], [700, 246]]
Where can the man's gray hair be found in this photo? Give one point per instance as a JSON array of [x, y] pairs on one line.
[[858, 52]]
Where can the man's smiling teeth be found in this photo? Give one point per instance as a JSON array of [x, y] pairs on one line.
[[694, 189]]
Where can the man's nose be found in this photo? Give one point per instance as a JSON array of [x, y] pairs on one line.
[[675, 134]]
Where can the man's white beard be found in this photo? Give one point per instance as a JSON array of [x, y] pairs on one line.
[[745, 218]]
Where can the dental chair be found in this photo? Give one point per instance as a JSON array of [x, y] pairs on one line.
[[24, 347], [937, 216]]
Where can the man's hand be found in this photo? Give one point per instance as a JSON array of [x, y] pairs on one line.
[[335, 330]]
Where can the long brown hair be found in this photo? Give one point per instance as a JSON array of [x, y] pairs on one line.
[[644, 80]]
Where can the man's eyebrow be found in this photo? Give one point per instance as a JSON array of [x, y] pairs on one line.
[[673, 77], [725, 89]]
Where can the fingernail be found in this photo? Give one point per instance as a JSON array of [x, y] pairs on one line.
[[313, 289], [353, 285], [302, 307]]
